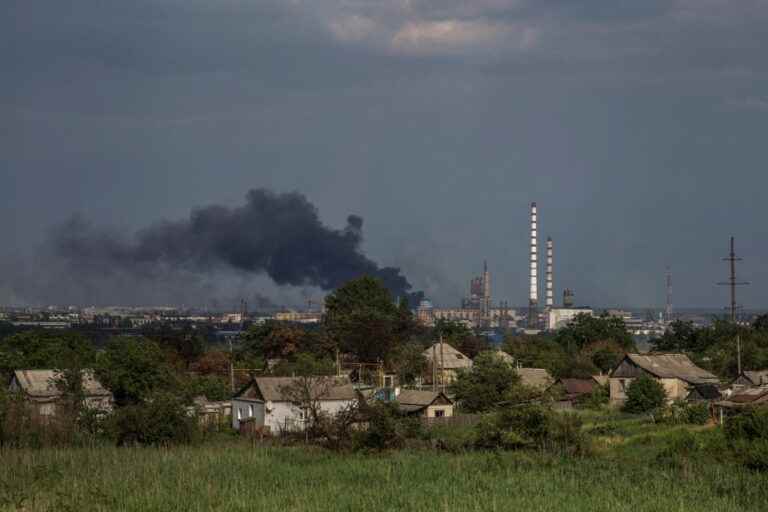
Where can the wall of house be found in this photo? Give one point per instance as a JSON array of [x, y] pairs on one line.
[[246, 408], [282, 416], [676, 389], [431, 411]]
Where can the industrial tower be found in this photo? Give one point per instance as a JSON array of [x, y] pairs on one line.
[[550, 300], [533, 297]]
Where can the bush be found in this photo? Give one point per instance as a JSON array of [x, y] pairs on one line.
[[596, 399], [161, 420], [531, 427], [747, 436], [682, 413], [386, 428], [644, 395]]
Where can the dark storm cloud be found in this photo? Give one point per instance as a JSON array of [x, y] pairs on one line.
[[279, 235], [638, 126]]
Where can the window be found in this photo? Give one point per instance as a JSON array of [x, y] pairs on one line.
[[239, 413], [250, 410], [439, 413]]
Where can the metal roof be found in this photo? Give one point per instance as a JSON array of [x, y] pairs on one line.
[[42, 383], [277, 389], [673, 366], [452, 359], [538, 378], [578, 386], [757, 377]]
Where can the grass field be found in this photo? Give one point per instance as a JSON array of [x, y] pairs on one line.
[[231, 474]]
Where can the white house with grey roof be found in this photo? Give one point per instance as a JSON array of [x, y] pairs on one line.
[[272, 402]]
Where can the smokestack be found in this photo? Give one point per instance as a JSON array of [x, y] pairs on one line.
[[486, 306], [550, 292], [533, 297]]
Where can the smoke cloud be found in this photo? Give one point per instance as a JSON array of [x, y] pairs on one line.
[[278, 235]]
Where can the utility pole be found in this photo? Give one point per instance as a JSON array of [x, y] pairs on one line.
[[668, 309], [732, 283]]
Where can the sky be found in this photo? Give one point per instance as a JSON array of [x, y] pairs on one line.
[[639, 128]]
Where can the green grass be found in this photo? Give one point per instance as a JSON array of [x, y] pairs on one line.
[[634, 467], [236, 476]]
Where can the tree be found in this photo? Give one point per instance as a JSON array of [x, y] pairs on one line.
[[603, 354], [44, 350], [644, 395], [135, 368], [410, 362], [585, 329], [490, 383], [538, 352], [363, 320]]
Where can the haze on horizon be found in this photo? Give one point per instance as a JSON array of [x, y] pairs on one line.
[[638, 127]]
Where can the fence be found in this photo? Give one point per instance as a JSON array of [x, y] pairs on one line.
[[459, 420]]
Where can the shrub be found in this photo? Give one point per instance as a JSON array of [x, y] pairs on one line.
[[750, 425], [385, 428], [596, 399], [644, 395], [531, 427], [682, 413], [161, 420]]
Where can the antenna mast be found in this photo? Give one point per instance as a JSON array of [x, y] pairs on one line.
[[732, 283], [668, 309]]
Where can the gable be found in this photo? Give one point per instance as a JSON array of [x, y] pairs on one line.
[[627, 370]]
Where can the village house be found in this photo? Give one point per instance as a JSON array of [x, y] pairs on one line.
[[675, 372], [275, 403], [535, 378], [747, 398], [750, 379], [427, 404], [39, 388], [444, 363]]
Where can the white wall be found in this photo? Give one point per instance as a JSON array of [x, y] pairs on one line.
[[282, 415]]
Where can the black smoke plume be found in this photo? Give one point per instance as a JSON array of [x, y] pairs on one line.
[[280, 235]]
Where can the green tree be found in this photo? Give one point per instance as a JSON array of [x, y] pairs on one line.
[[603, 354], [135, 368], [491, 383], [586, 329], [538, 352], [410, 362], [363, 320], [44, 350], [644, 395]]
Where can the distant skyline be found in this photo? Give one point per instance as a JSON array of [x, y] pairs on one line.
[[637, 127]]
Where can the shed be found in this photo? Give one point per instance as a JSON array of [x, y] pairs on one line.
[[704, 392], [750, 378], [428, 404]]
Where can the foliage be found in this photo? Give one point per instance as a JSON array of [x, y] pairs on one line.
[[186, 342], [603, 354], [682, 413], [598, 398], [537, 352], [363, 320], [133, 369], [161, 419], [386, 427], [214, 362], [490, 383], [644, 395], [304, 364], [213, 387], [44, 350], [531, 426], [410, 362], [585, 329]]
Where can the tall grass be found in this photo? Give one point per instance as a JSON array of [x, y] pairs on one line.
[[234, 475]]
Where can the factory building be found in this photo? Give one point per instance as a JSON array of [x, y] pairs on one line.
[[476, 311]]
